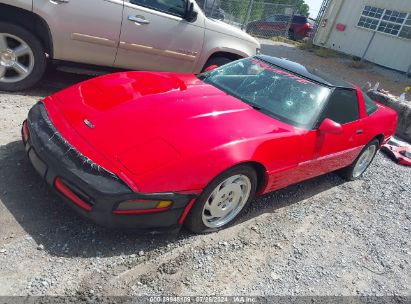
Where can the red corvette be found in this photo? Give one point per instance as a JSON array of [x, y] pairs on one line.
[[160, 150]]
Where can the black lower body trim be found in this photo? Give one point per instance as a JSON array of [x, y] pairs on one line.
[[52, 157]]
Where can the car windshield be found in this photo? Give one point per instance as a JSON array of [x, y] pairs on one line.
[[276, 92]]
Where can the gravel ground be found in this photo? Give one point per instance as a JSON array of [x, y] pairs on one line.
[[321, 237]]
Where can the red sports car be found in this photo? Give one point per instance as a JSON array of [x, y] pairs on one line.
[[160, 150]]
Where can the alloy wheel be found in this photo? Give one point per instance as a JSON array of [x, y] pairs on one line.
[[16, 59], [364, 161], [226, 201]]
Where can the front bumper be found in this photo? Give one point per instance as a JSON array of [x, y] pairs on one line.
[[93, 192]]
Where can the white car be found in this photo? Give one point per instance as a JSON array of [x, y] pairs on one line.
[[157, 35]]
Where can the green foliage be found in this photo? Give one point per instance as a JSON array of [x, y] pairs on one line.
[[302, 8], [236, 8], [261, 8], [257, 11]]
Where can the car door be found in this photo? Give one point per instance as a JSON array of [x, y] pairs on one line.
[[323, 152], [83, 31], [155, 36]]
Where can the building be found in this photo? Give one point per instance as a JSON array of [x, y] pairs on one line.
[[377, 30]]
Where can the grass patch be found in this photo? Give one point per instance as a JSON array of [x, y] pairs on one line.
[[307, 45], [285, 40], [324, 52], [357, 64]]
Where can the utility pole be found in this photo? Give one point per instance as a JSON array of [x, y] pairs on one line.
[[247, 18]]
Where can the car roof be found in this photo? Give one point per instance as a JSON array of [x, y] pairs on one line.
[[312, 74]]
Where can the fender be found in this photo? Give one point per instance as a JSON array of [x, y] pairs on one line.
[[20, 12], [202, 168], [24, 4]]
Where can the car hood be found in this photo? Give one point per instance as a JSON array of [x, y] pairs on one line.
[[144, 120]]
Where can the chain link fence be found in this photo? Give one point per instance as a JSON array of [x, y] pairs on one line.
[[260, 18]]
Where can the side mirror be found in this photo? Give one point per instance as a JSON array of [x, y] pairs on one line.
[[329, 126], [190, 14], [220, 15], [210, 68]]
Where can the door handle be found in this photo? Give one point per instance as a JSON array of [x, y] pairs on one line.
[[138, 19], [359, 131], [59, 1]]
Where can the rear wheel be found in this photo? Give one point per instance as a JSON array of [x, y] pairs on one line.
[[291, 35], [223, 200], [362, 162], [22, 58]]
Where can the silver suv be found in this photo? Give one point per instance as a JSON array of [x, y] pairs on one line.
[[158, 35]]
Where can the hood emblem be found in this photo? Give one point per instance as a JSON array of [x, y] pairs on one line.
[[89, 124]]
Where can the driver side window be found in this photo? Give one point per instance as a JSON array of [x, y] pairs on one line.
[[342, 106], [172, 7], [270, 19]]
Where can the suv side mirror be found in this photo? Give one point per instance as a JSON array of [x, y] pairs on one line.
[[329, 126], [190, 14]]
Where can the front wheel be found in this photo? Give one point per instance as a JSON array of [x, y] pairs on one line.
[[223, 200], [22, 58], [362, 162]]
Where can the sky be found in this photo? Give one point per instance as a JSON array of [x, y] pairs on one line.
[[314, 7]]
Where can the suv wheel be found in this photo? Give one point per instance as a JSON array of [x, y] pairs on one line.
[[22, 58]]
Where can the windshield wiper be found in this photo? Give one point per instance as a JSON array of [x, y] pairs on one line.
[[254, 106]]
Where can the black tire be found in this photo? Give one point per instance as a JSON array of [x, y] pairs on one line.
[[194, 221], [218, 61], [40, 60], [348, 172], [291, 35], [251, 30]]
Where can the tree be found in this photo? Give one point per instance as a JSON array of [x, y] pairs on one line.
[[236, 10], [302, 8]]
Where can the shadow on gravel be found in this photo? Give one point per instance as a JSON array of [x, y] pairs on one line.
[[52, 82], [63, 233], [293, 194], [54, 225]]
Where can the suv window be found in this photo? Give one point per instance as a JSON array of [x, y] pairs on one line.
[[342, 106], [370, 105], [278, 18], [300, 19], [173, 7]]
